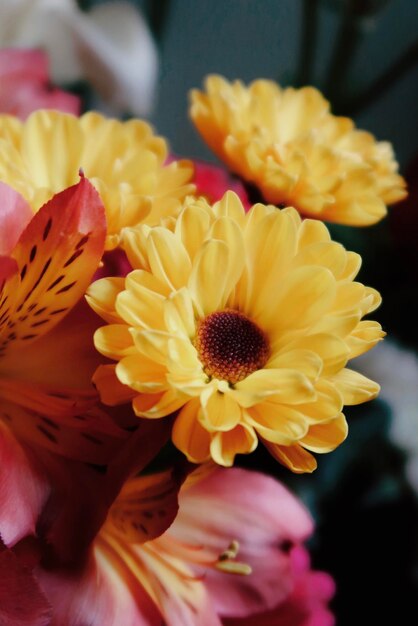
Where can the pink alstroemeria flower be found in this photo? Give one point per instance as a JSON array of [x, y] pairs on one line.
[[25, 87], [227, 555], [306, 605]]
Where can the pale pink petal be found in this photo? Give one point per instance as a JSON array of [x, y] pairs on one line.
[[23, 489], [23, 63], [25, 85], [306, 605], [15, 214], [262, 516]]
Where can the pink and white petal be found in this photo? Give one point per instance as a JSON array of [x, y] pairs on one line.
[[15, 214], [260, 514], [307, 603], [23, 489]]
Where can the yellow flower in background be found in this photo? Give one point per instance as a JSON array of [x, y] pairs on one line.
[[288, 145], [243, 323], [125, 161]]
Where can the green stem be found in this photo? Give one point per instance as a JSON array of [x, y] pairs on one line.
[[308, 42], [348, 37], [157, 12], [398, 69]]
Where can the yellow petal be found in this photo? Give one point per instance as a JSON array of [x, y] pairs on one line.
[[168, 258], [302, 297], [326, 254], [179, 315], [312, 232], [294, 457], [299, 359], [326, 437], [226, 445], [101, 296], [364, 337], [354, 387], [51, 145], [230, 206], [189, 436], [142, 374], [220, 411], [114, 341], [208, 281], [287, 386], [271, 245], [192, 227], [225, 229], [153, 344], [277, 423], [141, 304], [157, 405], [331, 350]]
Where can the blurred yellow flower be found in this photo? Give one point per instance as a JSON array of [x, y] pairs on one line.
[[125, 161], [243, 323], [288, 145]]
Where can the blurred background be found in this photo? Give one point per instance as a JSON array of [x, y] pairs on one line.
[[363, 54]]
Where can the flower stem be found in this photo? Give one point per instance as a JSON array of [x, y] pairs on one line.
[[347, 39], [308, 42], [401, 66]]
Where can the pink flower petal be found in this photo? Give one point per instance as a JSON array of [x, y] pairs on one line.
[[214, 181], [15, 214], [262, 516], [25, 85], [23, 489]]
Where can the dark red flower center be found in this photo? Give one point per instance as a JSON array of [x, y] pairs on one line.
[[230, 345]]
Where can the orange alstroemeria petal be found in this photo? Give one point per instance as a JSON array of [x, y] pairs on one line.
[[57, 255]]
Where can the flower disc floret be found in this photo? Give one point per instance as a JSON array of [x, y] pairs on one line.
[[125, 161], [230, 346], [286, 144], [241, 324]]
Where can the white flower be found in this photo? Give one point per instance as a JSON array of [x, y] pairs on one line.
[[396, 370], [111, 47]]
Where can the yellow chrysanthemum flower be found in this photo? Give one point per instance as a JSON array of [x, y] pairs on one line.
[[125, 161], [288, 145], [243, 323]]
